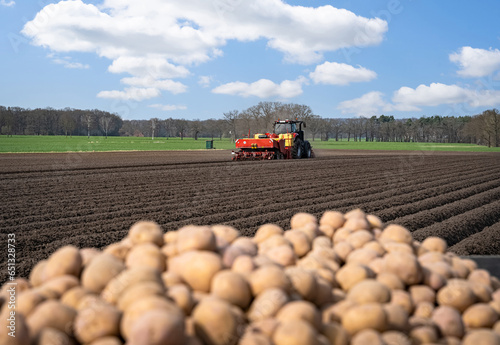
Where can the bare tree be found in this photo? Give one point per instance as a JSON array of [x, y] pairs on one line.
[[301, 112], [486, 127], [181, 126], [220, 127], [336, 125], [196, 128], [168, 125], [349, 127], [246, 122], [270, 112], [230, 117], [88, 118], [493, 123], [68, 123], [154, 123], [314, 125], [105, 122], [7, 120]]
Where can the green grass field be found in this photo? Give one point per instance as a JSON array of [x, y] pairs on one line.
[[25, 143], [364, 145]]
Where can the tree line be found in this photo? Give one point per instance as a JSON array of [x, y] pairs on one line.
[[481, 129]]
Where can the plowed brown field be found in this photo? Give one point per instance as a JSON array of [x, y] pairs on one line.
[[91, 199]]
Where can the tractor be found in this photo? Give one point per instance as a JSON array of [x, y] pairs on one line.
[[286, 142]]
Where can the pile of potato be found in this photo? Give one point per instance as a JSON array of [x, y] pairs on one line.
[[345, 280]]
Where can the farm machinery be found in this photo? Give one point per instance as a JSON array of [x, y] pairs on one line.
[[286, 142]]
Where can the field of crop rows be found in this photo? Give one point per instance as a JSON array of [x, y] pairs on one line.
[[91, 199]]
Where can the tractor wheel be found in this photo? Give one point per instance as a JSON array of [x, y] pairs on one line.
[[298, 149], [307, 150]]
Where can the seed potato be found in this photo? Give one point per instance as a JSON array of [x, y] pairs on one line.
[[146, 232], [197, 268], [300, 310], [265, 231], [303, 282], [335, 334], [367, 336], [194, 237], [37, 273], [116, 286], [369, 291], [51, 314], [334, 219], [449, 321], [243, 264], [396, 233], [481, 336], [396, 338], [107, 341], [397, 318], [217, 322], [357, 224], [138, 291], [348, 280], [267, 304], [301, 220], [64, 261], [480, 315], [295, 332], [341, 235], [146, 254], [300, 242], [119, 249], [349, 275], [457, 294], [360, 317], [97, 321], [27, 301], [88, 254], [404, 265], [266, 277], [424, 335], [100, 270], [141, 307], [232, 287], [158, 327], [59, 285], [282, 255], [73, 296], [228, 233]]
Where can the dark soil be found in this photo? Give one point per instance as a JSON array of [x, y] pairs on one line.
[[91, 199]]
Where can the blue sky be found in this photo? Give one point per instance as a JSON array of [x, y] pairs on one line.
[[198, 59]]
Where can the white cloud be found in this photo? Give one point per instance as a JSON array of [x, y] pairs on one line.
[[67, 63], [432, 95], [263, 88], [205, 80], [174, 87], [131, 93], [340, 74], [153, 67], [168, 107], [193, 31], [7, 3], [369, 104], [437, 94], [475, 62], [161, 39], [408, 99]]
